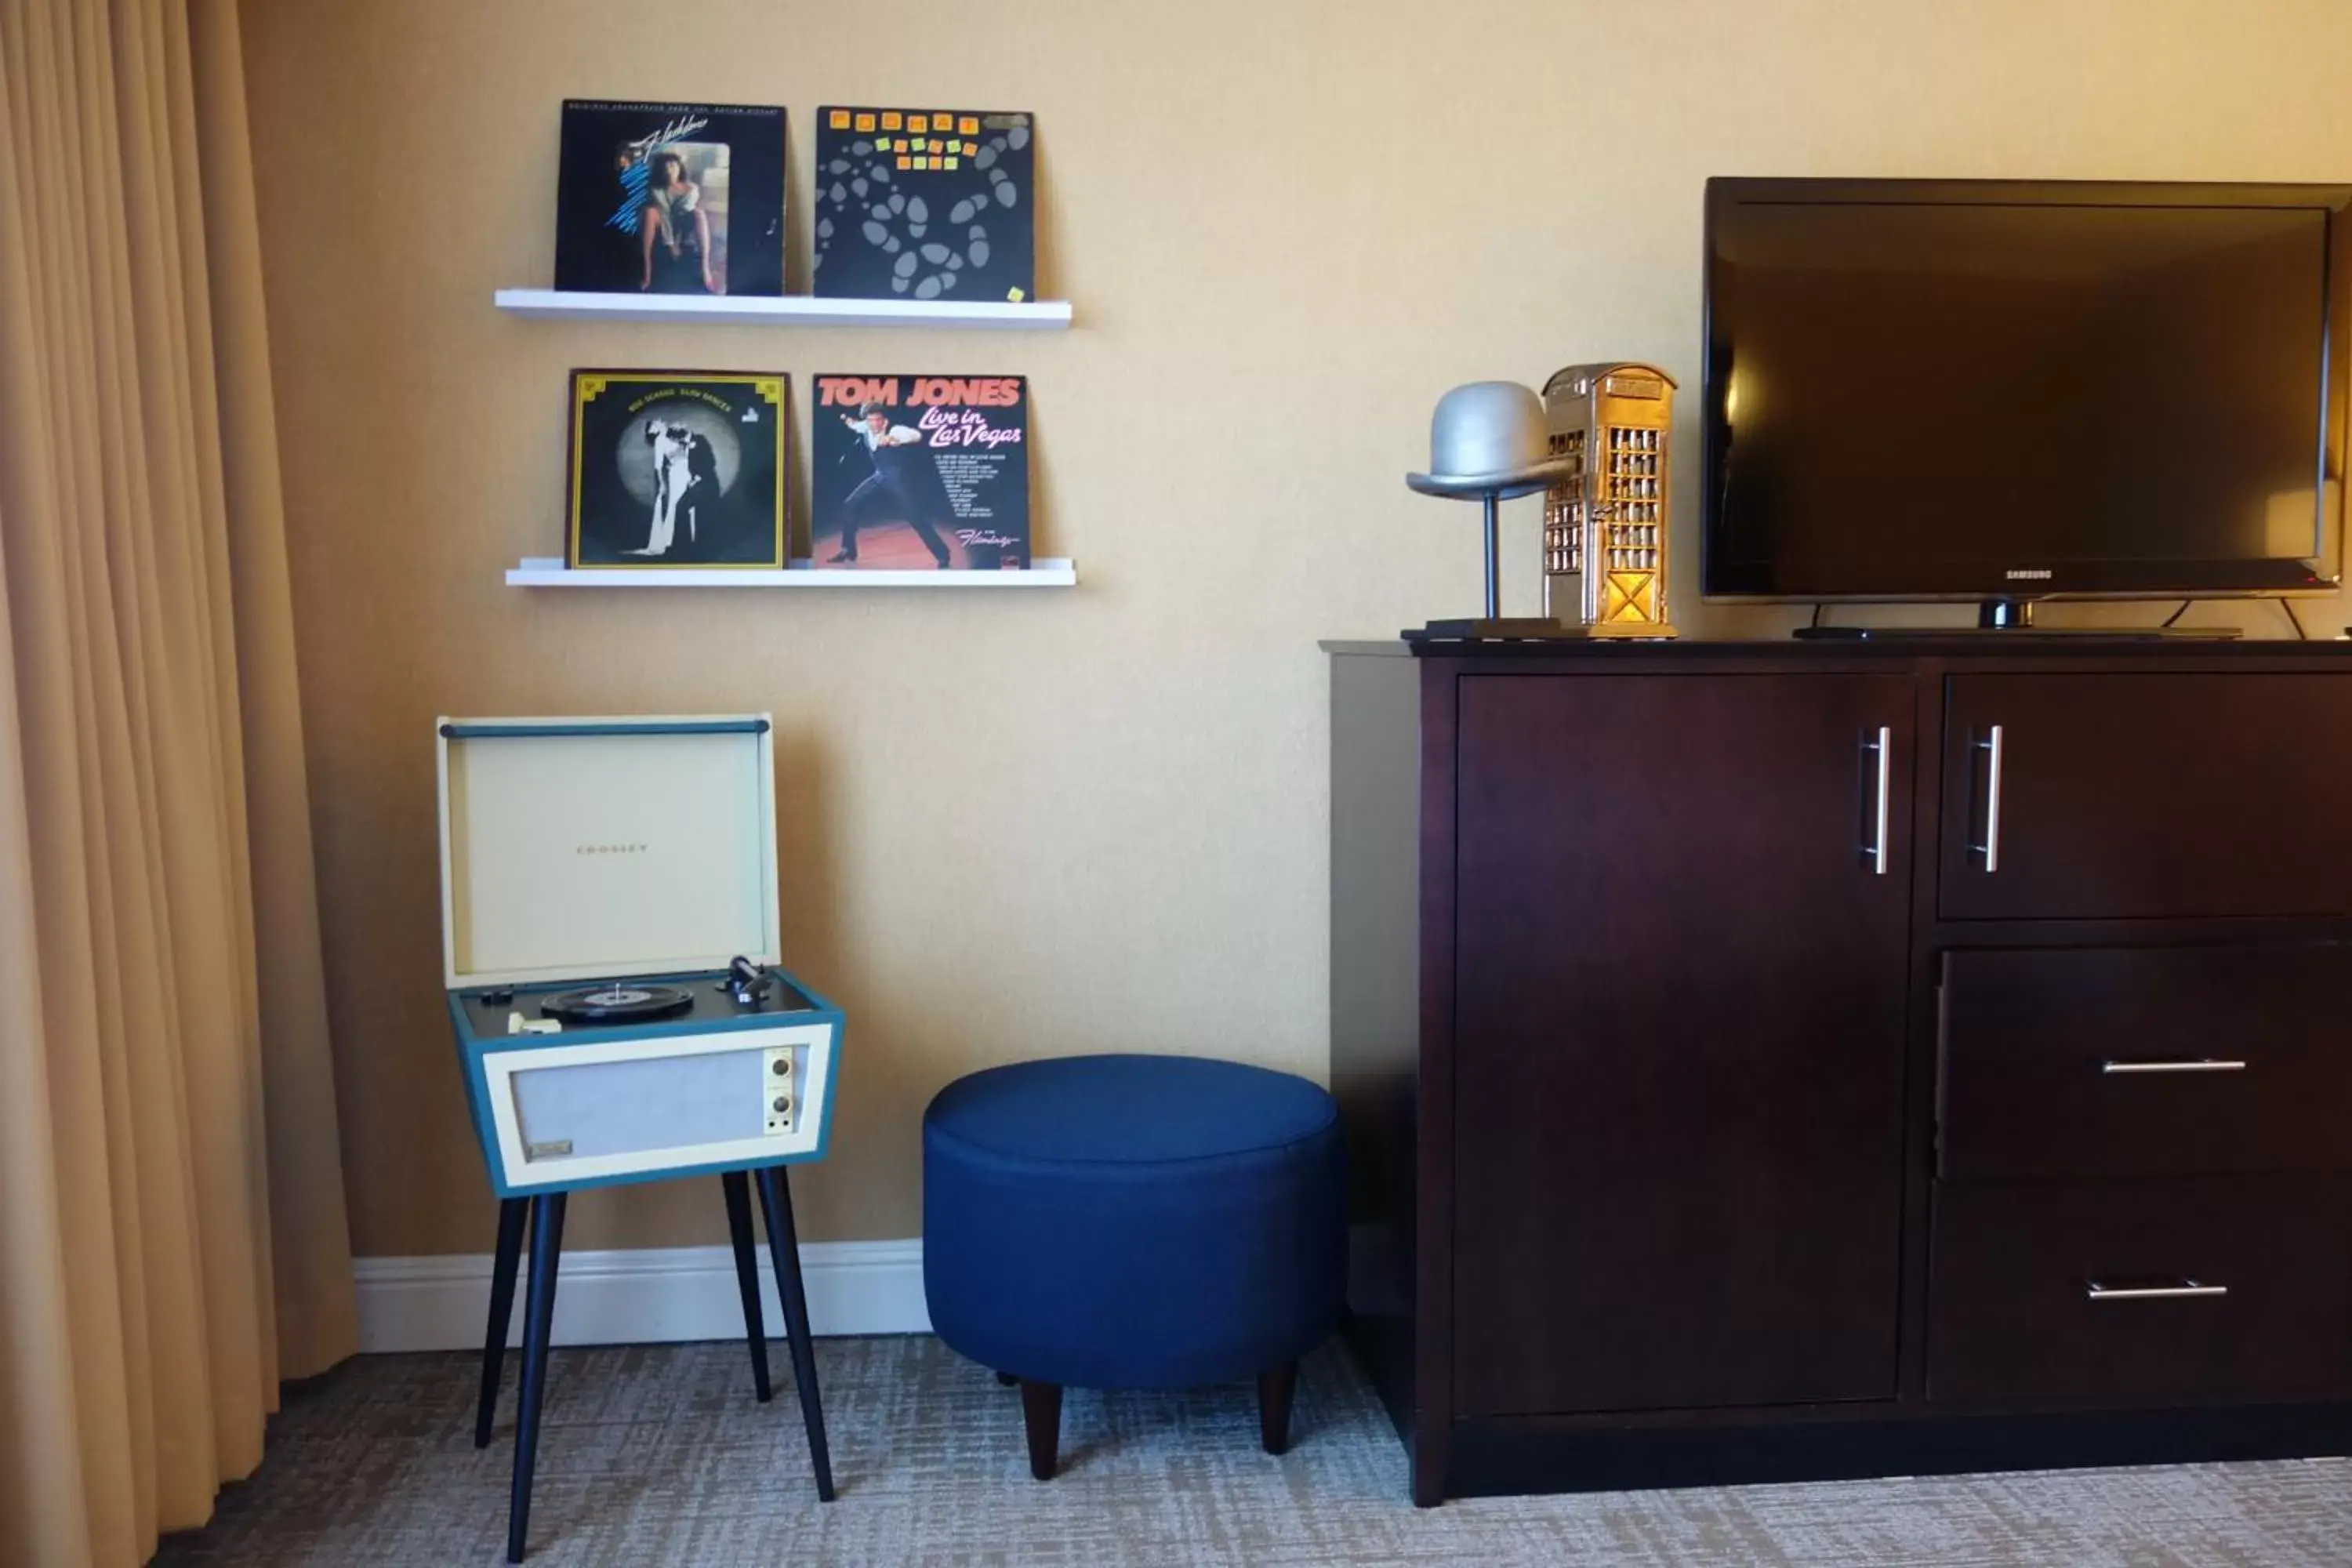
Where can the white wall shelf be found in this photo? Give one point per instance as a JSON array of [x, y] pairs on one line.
[[789, 310], [549, 571]]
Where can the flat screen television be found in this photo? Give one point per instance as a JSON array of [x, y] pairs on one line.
[[1991, 390]]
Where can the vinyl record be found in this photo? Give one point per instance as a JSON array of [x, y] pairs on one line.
[[616, 1004]]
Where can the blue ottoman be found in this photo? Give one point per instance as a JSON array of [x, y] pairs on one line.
[[1133, 1222]]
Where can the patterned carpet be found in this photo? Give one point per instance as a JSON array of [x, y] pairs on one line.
[[658, 1455]]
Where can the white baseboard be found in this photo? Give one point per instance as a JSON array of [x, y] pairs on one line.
[[640, 1296]]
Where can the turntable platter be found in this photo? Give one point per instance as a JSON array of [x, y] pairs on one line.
[[618, 1003]]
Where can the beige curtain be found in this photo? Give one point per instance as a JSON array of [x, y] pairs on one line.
[[172, 1232]]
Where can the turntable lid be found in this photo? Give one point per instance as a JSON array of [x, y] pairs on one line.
[[586, 847]]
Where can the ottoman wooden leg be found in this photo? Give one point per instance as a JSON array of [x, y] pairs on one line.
[[513, 1213], [1274, 1389], [1041, 1411], [747, 1275]]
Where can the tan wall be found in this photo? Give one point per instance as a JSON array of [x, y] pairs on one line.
[[1029, 822]]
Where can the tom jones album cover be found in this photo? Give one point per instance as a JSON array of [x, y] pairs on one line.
[[671, 198], [924, 204], [677, 468], [920, 471]]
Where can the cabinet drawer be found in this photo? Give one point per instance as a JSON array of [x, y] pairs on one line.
[[2146, 1061], [2043, 1292], [2146, 796]]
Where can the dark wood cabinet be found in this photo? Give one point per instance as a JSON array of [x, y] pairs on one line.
[[1684, 1251], [1746, 1076]]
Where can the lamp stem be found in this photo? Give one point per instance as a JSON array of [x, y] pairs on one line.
[[1494, 586]]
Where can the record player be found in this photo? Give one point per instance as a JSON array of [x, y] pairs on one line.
[[610, 944]]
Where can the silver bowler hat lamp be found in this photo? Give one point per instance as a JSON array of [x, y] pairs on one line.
[[1488, 442]]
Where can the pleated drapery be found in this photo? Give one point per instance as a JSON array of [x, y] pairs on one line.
[[172, 1230]]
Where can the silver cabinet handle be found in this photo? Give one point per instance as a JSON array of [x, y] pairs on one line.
[[1875, 850], [2185, 1290], [2202, 1064], [1990, 847]]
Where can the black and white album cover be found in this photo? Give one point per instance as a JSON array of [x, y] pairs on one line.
[[671, 198], [916, 203], [918, 471], [677, 468]]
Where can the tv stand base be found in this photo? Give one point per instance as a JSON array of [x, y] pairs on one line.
[[2014, 618], [2018, 634]]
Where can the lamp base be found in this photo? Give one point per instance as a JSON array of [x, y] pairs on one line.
[[1504, 629], [1533, 629]]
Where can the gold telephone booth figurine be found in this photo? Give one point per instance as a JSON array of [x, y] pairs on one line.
[[1604, 535]]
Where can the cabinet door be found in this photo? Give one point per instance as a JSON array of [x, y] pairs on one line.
[[2147, 795], [1679, 1026]]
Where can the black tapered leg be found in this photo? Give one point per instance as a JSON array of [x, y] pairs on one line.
[[747, 1275], [539, 1321], [1041, 1412], [1006, 1380], [513, 1213], [784, 1253], [1275, 1390]]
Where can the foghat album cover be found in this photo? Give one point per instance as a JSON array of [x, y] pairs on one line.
[[677, 468], [920, 471], [671, 198], [925, 204]]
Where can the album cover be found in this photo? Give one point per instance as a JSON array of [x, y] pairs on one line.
[[920, 204], [920, 471], [671, 198], [677, 468]]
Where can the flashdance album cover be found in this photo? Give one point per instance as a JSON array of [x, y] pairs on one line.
[[917, 471], [925, 205], [671, 198], [677, 468]]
